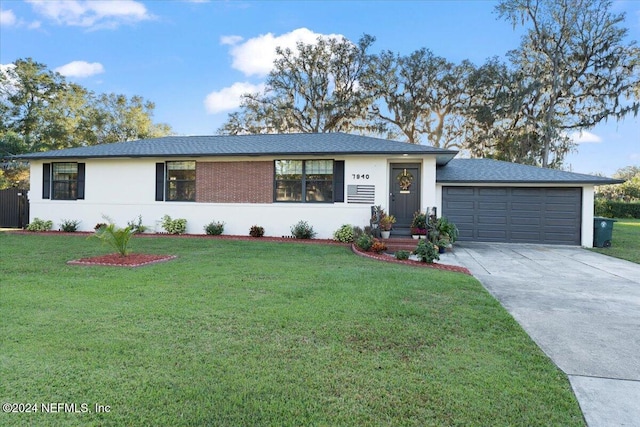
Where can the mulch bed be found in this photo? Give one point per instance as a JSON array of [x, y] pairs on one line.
[[117, 260], [387, 258], [138, 260]]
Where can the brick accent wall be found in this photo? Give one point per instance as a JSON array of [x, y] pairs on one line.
[[234, 182]]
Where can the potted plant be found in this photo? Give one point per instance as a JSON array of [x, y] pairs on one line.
[[386, 224], [446, 230], [419, 225], [442, 244]]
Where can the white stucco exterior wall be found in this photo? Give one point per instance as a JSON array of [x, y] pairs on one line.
[[429, 190], [122, 189], [587, 215]]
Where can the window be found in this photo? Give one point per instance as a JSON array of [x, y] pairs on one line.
[[310, 181], [181, 181], [63, 181]]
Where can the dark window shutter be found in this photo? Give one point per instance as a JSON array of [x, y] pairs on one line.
[[338, 181], [80, 194], [46, 180], [159, 182]]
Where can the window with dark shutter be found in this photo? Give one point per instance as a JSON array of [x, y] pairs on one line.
[[159, 182], [338, 181], [46, 180], [181, 181], [64, 181], [304, 181], [80, 193]]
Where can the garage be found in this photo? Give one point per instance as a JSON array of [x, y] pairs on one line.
[[549, 215]]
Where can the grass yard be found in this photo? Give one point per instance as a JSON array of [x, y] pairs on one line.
[[248, 333], [625, 242]]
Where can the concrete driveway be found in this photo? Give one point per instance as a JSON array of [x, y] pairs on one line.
[[581, 308]]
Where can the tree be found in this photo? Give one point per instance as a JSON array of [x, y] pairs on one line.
[[629, 191], [115, 118], [27, 90], [45, 112], [575, 67], [13, 173], [495, 117], [314, 89], [421, 95]]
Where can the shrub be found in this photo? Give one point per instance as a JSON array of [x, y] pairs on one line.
[[256, 231], [100, 225], [357, 232], [40, 225], [364, 242], [344, 234], [136, 226], [174, 226], [116, 237], [378, 246], [69, 225], [617, 209], [214, 228], [402, 255], [302, 230], [426, 251]]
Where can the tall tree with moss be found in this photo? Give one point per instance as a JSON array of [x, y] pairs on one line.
[[419, 97], [312, 89], [576, 68]]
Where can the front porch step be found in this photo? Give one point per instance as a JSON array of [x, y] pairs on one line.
[[401, 231], [400, 243]]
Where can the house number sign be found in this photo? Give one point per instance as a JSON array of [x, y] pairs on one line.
[[360, 176]]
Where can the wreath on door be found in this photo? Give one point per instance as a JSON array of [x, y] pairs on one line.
[[405, 179]]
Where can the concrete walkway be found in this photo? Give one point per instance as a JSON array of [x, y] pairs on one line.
[[581, 308]]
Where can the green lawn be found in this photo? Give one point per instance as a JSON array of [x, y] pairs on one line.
[[238, 333], [625, 242]]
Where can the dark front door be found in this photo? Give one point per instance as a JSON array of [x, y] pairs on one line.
[[404, 199]]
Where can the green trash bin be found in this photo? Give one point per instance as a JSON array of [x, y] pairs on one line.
[[602, 231]]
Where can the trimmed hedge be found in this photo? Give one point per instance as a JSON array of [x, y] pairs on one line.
[[614, 209]]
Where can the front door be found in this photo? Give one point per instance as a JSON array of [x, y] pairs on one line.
[[404, 199]]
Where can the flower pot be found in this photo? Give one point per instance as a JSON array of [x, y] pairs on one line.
[[415, 236], [442, 249], [385, 234]]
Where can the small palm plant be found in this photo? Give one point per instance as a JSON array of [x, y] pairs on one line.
[[114, 236]]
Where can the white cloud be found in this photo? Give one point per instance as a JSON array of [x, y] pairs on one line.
[[80, 69], [584, 137], [95, 14], [230, 40], [256, 55], [229, 98], [7, 18]]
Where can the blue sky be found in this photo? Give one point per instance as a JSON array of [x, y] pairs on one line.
[[194, 58]]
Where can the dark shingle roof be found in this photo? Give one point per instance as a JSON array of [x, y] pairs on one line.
[[247, 145], [495, 171]]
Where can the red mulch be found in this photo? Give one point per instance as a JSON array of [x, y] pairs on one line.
[[142, 259], [387, 258], [117, 260]]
